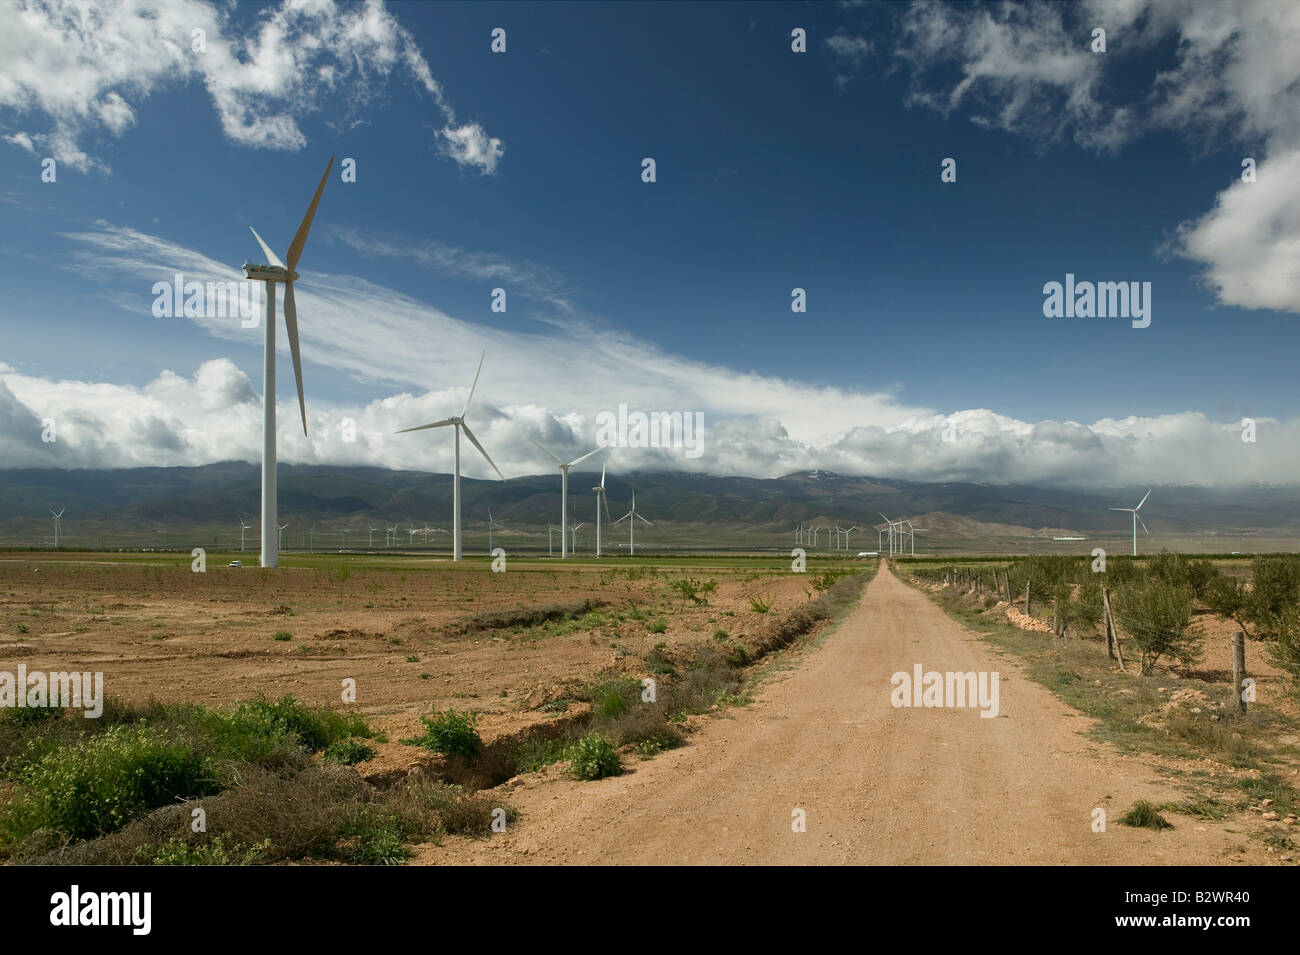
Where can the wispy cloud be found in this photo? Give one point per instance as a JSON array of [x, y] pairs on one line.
[[551, 387]]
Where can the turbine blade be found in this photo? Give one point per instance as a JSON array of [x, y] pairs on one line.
[[470, 434], [1144, 500], [644, 521], [291, 325], [300, 238], [1144, 526], [604, 500], [475, 385], [602, 476], [584, 457], [623, 518], [557, 460], [425, 427], [271, 257]]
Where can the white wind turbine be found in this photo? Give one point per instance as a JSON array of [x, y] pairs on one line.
[[391, 532], [57, 524], [632, 517], [492, 525], [1136, 520], [573, 534], [284, 272], [601, 501], [846, 536], [242, 527], [460, 425], [280, 538], [372, 537], [564, 494]]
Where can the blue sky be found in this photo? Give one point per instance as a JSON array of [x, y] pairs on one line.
[[775, 170]]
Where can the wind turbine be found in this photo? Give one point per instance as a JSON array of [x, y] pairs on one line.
[[846, 536], [372, 538], [242, 527], [573, 534], [57, 524], [564, 494], [1136, 520], [460, 425], [631, 526], [280, 538], [891, 534], [601, 500], [279, 271], [492, 525], [550, 546]]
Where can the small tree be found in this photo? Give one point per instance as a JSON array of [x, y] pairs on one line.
[[1285, 652], [1157, 615]]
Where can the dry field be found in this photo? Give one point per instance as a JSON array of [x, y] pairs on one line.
[[415, 634]]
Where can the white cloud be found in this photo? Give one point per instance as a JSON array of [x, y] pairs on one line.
[[755, 425], [469, 145], [1234, 78], [83, 66]]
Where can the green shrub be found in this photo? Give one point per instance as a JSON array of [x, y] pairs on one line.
[[312, 727], [372, 836], [100, 784], [450, 732], [759, 605], [1156, 615], [1144, 815], [212, 852], [659, 626], [348, 752], [282, 636], [612, 699], [594, 757]]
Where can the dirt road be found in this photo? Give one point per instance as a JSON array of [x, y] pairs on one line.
[[878, 783]]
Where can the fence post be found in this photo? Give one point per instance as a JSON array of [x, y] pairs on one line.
[[1029, 607], [1239, 668]]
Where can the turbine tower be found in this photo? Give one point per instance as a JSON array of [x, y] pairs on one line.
[[631, 525], [279, 271], [1136, 520], [601, 501], [460, 425], [564, 494]]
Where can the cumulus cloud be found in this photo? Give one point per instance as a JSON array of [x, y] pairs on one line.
[[214, 415], [81, 67]]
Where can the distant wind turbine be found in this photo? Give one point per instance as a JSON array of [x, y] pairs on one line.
[[284, 272], [242, 527], [492, 525], [460, 425], [601, 501], [1136, 520], [57, 524], [632, 517], [564, 493]]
